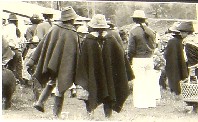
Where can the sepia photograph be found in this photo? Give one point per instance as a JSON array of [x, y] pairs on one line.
[[89, 60]]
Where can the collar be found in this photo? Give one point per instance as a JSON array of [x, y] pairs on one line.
[[66, 26]]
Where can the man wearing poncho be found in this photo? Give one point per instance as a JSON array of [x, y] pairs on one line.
[[101, 69], [57, 62]]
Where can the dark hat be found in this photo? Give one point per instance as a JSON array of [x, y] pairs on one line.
[[68, 14], [186, 27], [35, 17], [12, 16]]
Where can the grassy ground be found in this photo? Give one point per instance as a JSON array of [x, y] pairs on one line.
[[168, 109]]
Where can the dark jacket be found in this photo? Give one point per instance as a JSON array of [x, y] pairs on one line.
[[56, 56], [102, 72], [141, 42], [176, 68]]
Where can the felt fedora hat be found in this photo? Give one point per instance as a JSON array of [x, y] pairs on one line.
[[139, 14], [98, 21], [68, 14], [186, 27]]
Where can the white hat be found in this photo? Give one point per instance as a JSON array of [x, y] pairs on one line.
[[139, 14], [82, 29], [98, 21]]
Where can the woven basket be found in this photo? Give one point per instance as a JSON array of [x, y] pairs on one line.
[[189, 91]]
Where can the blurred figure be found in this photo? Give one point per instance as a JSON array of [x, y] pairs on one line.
[[82, 32], [190, 48], [30, 36], [112, 31], [12, 34], [176, 68], [31, 44], [8, 78], [124, 37], [101, 74], [44, 27], [141, 47], [57, 60]]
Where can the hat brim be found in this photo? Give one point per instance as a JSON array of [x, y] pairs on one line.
[[69, 18], [139, 17], [13, 19], [94, 26]]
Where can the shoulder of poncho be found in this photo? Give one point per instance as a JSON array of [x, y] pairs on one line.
[[65, 27], [90, 36]]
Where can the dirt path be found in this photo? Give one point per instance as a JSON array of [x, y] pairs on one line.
[[168, 109]]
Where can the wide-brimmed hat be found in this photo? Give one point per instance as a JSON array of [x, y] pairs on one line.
[[98, 21], [12, 16], [68, 14], [80, 18], [173, 29], [139, 14], [186, 27], [76, 22]]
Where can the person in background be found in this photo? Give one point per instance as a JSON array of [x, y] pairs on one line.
[[124, 37], [8, 78], [31, 31], [141, 47], [82, 32], [44, 27], [12, 35], [176, 68], [57, 60], [30, 46], [190, 48], [101, 71]]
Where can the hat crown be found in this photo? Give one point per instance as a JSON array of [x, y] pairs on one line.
[[12, 16], [186, 26], [35, 16], [98, 21], [139, 14], [68, 13]]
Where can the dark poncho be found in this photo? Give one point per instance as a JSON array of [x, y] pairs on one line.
[[102, 72], [56, 56], [176, 68]]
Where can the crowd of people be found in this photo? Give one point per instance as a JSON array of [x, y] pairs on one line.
[[96, 60]]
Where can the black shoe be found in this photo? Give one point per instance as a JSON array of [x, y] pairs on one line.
[[39, 107]]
